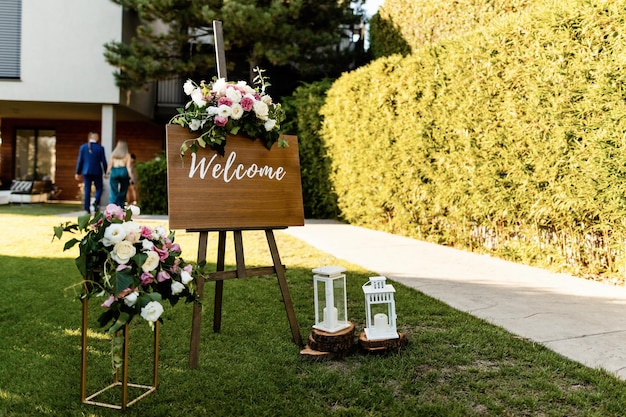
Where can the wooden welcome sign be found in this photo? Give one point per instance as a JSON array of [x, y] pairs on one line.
[[250, 187]]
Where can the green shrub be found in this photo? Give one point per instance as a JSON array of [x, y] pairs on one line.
[[152, 177], [509, 140], [302, 109]]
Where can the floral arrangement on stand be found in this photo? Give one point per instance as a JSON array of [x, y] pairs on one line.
[[133, 268], [221, 108]]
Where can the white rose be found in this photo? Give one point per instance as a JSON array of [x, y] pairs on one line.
[[133, 231], [261, 110], [131, 299], [186, 277], [151, 262], [266, 99], [198, 97], [177, 287], [123, 251], [152, 311], [188, 87], [224, 110], [113, 234], [159, 232], [233, 94], [270, 124], [236, 111]]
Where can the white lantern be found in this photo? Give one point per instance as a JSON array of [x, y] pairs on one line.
[[380, 309], [331, 312]]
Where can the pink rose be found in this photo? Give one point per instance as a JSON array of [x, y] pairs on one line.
[[108, 302], [146, 278], [174, 247], [163, 276], [246, 103], [113, 211], [163, 253], [146, 232], [220, 120], [225, 100]]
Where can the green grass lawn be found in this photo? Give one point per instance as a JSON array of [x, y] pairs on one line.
[[454, 365]]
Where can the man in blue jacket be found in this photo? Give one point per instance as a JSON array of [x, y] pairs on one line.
[[91, 165]]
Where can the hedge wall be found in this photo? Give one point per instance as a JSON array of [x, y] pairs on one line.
[[509, 141]]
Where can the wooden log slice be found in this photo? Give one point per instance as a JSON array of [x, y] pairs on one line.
[[382, 345], [316, 355], [339, 342]]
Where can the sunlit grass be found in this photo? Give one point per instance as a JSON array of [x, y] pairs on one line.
[[454, 365]]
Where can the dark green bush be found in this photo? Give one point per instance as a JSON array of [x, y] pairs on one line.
[[302, 109], [511, 139], [152, 178]]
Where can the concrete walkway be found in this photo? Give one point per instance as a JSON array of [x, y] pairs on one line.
[[580, 319]]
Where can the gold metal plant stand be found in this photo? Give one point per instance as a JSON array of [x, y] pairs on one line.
[[123, 383]]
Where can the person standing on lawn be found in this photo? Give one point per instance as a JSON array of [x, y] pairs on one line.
[[90, 166], [119, 173]]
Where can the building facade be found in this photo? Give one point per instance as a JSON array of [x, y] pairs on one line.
[[56, 87]]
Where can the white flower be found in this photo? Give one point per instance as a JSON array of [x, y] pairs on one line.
[[134, 209], [211, 110], [266, 99], [198, 97], [113, 234], [131, 299], [188, 87], [195, 124], [123, 251], [152, 311], [151, 262], [219, 86], [159, 232], [270, 124], [186, 277], [261, 110], [146, 245], [177, 287], [234, 94], [133, 231], [236, 111], [224, 110]]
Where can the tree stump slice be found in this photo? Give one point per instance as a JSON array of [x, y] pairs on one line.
[[316, 355], [338, 342], [382, 345]]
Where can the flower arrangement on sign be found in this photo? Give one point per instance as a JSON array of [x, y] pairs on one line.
[[134, 268], [221, 108]]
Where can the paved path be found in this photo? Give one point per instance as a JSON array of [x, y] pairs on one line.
[[580, 319]]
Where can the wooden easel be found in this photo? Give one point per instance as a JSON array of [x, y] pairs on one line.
[[241, 271]]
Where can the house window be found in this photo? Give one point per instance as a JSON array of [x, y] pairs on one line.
[[35, 154], [10, 38]]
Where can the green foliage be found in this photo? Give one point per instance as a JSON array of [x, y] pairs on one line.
[[509, 140], [152, 177], [302, 35], [303, 109], [402, 26]]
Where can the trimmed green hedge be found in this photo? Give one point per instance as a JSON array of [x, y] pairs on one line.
[[152, 178], [302, 110], [510, 141]]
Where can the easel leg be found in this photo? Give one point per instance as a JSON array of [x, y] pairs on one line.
[[284, 289], [196, 320], [219, 285]]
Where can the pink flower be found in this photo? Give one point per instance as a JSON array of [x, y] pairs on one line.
[[188, 268], [122, 267], [108, 302], [247, 103], [163, 276], [113, 211], [146, 232], [146, 278], [163, 253], [220, 121], [174, 247], [225, 100]]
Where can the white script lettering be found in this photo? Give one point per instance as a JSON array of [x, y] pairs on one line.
[[230, 170]]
